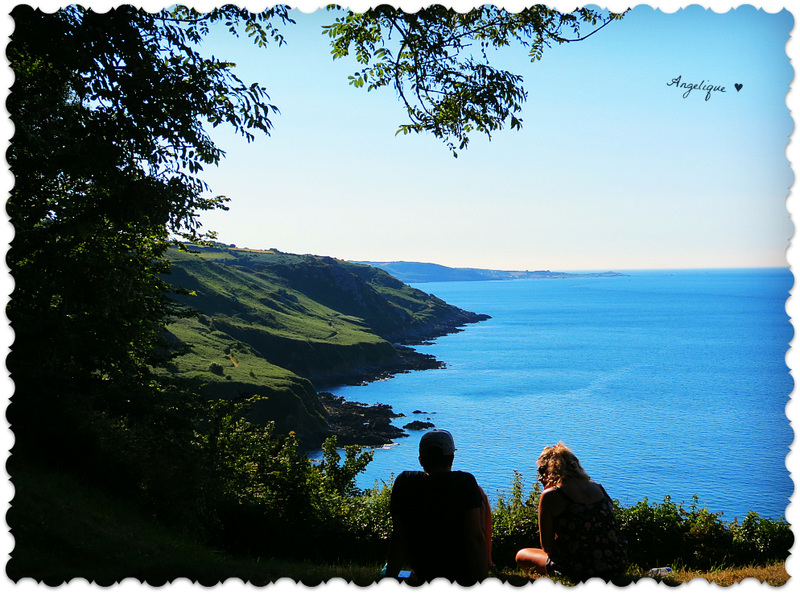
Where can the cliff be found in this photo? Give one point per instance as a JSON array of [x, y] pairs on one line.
[[284, 326]]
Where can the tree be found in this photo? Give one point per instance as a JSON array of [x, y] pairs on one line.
[[110, 113], [436, 60]]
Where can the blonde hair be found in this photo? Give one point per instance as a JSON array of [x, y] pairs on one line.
[[558, 463]]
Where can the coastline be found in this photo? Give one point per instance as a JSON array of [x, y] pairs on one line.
[[370, 425]]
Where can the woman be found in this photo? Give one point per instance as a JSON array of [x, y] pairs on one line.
[[578, 531]]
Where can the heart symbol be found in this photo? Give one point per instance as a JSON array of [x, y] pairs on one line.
[[738, 87]]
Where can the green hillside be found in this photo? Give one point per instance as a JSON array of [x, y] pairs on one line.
[[285, 325]]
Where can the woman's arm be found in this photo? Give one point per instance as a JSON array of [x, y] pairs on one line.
[[550, 505], [486, 513]]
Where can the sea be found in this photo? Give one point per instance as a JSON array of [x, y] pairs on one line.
[[668, 383]]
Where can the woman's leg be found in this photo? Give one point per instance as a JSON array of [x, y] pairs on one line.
[[534, 560]]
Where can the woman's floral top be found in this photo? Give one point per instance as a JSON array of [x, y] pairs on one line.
[[588, 543]]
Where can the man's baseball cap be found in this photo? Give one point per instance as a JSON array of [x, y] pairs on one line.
[[437, 439]]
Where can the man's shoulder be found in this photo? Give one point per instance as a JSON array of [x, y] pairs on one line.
[[463, 477], [409, 475], [453, 475]]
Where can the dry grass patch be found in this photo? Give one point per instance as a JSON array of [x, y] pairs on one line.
[[773, 575]]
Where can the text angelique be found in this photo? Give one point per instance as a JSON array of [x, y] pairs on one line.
[[702, 86]]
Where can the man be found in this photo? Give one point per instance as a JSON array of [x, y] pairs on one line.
[[442, 518]]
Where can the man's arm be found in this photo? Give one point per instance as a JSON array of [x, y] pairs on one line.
[[398, 548], [477, 551]]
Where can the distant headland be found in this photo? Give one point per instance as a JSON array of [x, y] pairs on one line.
[[419, 272]]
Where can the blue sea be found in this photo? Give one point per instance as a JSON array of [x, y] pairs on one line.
[[661, 382]]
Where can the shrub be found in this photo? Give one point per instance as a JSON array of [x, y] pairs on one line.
[[342, 479], [262, 490], [761, 540], [369, 515], [362, 528], [707, 540], [667, 534], [271, 500], [515, 522], [654, 532]]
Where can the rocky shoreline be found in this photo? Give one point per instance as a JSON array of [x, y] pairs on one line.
[[406, 361], [367, 425], [356, 423], [370, 425]]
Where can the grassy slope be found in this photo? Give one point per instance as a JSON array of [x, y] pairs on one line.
[[278, 324], [65, 529]]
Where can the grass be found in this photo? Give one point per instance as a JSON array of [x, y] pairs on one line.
[[255, 299], [216, 347], [254, 282], [272, 323], [254, 308], [773, 575], [64, 529]]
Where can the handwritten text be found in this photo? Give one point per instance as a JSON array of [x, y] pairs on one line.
[[709, 88]]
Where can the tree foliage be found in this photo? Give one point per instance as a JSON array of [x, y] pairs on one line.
[[110, 112], [436, 59]]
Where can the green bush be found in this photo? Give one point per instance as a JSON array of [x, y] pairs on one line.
[[515, 522], [270, 499], [760, 540], [667, 534], [654, 532]]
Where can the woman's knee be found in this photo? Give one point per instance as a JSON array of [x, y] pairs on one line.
[[525, 557], [531, 559]]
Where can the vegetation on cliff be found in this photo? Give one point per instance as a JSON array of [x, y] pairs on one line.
[[281, 325]]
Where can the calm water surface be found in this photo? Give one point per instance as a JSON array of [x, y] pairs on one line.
[[663, 383]]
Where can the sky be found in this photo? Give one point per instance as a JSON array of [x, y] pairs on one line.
[[614, 168]]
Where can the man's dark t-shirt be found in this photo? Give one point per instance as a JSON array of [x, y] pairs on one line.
[[433, 508]]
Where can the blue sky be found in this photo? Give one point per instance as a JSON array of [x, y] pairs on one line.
[[614, 168]]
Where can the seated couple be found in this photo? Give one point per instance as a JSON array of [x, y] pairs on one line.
[[442, 520]]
